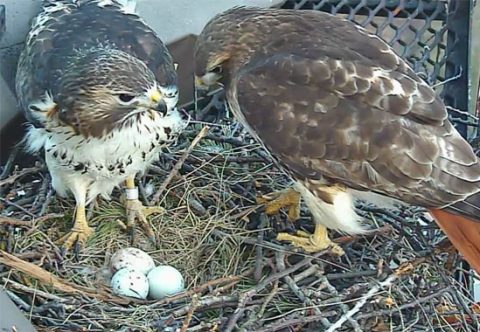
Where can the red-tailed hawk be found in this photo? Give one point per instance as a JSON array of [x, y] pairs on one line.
[[344, 114], [99, 89]]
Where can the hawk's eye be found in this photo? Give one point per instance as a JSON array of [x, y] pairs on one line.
[[216, 70], [126, 98]]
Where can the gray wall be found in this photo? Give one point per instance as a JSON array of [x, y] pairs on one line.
[[171, 19]]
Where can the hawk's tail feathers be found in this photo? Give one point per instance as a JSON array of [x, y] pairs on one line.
[[463, 232]]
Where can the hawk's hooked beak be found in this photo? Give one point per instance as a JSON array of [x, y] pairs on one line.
[[201, 88], [154, 95], [156, 98], [200, 84], [207, 84]]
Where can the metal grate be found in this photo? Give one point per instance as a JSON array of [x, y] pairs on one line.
[[432, 35]]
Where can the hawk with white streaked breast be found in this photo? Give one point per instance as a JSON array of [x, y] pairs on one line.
[[344, 114], [99, 89]]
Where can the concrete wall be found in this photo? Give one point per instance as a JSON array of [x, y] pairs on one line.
[[171, 19]]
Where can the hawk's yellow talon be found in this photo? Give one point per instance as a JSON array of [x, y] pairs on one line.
[[79, 233], [315, 242], [289, 198], [137, 212], [303, 234], [149, 210]]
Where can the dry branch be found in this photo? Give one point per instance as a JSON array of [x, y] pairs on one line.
[[178, 165]]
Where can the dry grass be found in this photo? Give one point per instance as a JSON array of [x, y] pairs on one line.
[[400, 278]]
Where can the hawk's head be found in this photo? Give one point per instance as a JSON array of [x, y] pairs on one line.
[[103, 88], [226, 43]]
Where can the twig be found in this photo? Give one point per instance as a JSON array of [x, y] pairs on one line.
[[197, 290], [413, 304], [26, 289], [245, 297], [178, 165], [457, 298], [15, 222], [21, 208], [343, 306], [207, 301], [249, 240], [60, 284], [280, 259], [402, 269], [257, 273], [314, 268], [465, 113], [24, 223], [349, 275], [44, 196], [42, 193], [222, 289], [11, 179], [38, 221], [297, 321], [10, 161], [212, 326], [188, 318], [49, 216], [269, 298], [229, 140], [18, 301]]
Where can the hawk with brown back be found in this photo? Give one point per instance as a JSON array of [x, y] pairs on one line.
[[344, 114]]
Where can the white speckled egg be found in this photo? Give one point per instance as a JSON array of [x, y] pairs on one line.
[[132, 258], [164, 280], [127, 282]]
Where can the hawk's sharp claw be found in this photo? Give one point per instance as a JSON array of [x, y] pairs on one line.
[[289, 198], [137, 212], [315, 242], [76, 238]]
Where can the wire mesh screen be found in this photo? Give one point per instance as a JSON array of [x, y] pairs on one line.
[[432, 35]]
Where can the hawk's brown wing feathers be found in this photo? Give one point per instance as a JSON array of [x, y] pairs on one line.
[[363, 126], [360, 133], [330, 100]]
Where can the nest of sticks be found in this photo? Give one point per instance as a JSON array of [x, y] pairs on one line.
[[402, 276]]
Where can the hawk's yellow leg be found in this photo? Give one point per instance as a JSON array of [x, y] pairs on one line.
[[289, 198], [136, 211], [79, 233], [315, 242]]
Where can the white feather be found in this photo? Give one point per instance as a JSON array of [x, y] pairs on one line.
[[397, 86], [130, 146], [339, 216], [35, 139], [39, 108], [128, 6], [103, 3], [170, 95]]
